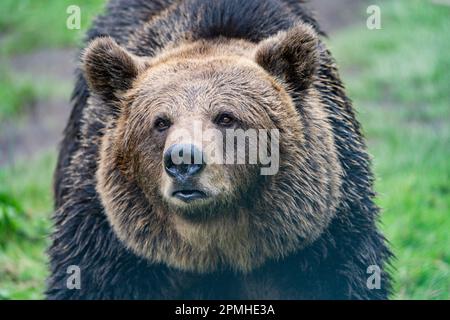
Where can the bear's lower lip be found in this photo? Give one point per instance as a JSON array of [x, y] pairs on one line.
[[189, 195]]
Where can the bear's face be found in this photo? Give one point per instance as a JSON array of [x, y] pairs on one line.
[[194, 107], [188, 135]]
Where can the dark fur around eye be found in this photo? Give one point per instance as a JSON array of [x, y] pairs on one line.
[[162, 124], [225, 119]]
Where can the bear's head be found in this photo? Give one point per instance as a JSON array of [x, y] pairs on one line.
[[215, 153]]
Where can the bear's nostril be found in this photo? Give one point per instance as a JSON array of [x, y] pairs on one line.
[[183, 160]]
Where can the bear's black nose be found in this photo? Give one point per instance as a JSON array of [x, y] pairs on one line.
[[182, 161]]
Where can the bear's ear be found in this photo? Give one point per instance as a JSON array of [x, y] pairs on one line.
[[292, 56], [109, 69]]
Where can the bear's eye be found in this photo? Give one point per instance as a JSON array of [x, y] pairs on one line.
[[162, 124], [225, 120]]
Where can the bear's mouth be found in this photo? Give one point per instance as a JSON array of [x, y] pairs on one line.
[[189, 195]]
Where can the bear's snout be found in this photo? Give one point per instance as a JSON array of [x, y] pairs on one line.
[[182, 162]]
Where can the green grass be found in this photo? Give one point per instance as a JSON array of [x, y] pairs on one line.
[[28, 25], [19, 92], [25, 188], [399, 80], [15, 93], [25, 204]]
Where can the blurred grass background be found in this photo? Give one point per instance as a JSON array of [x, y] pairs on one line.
[[29, 25], [398, 77]]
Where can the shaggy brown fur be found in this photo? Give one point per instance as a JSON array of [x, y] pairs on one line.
[[186, 83], [307, 231]]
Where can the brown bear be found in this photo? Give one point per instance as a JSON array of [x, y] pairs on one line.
[[141, 223]]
